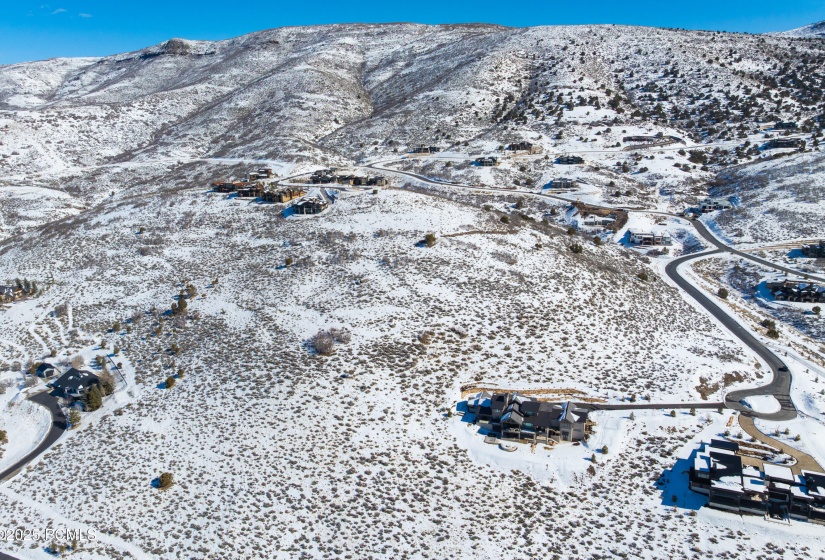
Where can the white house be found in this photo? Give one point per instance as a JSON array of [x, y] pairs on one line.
[[642, 237], [712, 204]]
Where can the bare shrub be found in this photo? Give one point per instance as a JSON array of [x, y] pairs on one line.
[[341, 335], [426, 337], [78, 361], [323, 342]]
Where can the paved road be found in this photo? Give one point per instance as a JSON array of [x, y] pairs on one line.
[[779, 387], [702, 230], [59, 426]]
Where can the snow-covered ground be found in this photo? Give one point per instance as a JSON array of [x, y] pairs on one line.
[[279, 452]]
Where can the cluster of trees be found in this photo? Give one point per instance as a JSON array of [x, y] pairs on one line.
[[28, 286], [772, 331], [179, 307], [4, 439]]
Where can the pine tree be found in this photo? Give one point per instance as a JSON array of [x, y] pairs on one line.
[[94, 398], [74, 417]]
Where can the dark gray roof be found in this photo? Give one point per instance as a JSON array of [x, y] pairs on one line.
[[498, 401], [73, 381], [43, 368], [530, 408], [513, 416]]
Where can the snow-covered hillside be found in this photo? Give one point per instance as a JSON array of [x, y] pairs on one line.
[[778, 200], [278, 451], [814, 30]]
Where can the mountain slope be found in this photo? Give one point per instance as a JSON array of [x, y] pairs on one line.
[[812, 31]]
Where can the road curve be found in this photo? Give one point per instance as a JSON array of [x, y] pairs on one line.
[[779, 387], [59, 426], [702, 230]]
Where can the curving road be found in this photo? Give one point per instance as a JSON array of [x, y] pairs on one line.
[[779, 387], [59, 425]]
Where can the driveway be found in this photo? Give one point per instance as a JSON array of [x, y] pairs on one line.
[[59, 425]]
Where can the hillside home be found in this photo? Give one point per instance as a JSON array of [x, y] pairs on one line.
[[813, 251], [423, 150], [644, 238], [312, 205], [785, 143], [718, 472], [9, 294], [227, 187], [569, 160], [563, 183], [74, 384], [592, 220], [644, 139], [377, 181], [524, 147], [282, 195], [486, 162], [795, 290], [516, 416], [713, 204], [6, 294], [780, 125], [251, 191]]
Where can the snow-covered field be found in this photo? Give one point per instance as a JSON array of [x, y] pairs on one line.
[[279, 452]]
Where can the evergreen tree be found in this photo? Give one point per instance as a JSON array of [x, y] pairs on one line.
[[94, 398], [74, 417]]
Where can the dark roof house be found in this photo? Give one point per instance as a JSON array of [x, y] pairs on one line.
[[74, 383], [46, 371]]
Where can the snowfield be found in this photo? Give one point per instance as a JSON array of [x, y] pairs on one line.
[[278, 451]]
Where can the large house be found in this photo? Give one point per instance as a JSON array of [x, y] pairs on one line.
[[12, 293], [719, 472], [800, 291], [262, 173], [516, 416], [811, 251], [524, 147], [311, 205], [564, 183], [282, 195], [228, 187], [569, 160], [786, 143], [423, 150], [712, 204], [74, 384], [486, 161], [645, 238]]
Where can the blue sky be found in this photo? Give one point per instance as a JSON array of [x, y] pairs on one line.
[[38, 30]]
